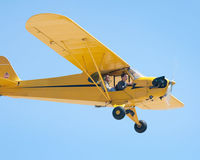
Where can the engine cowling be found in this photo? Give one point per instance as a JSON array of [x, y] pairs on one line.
[[159, 82]]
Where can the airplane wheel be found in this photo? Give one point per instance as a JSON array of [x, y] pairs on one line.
[[142, 128], [119, 113]]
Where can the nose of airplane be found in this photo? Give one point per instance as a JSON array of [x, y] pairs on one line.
[[173, 82]]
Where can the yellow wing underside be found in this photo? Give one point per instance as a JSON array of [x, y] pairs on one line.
[[159, 104], [73, 43]]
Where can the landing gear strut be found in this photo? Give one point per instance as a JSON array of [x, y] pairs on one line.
[[120, 112]]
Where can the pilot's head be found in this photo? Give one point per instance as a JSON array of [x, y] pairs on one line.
[[124, 77], [107, 78]]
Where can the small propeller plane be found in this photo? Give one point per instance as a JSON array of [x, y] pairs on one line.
[[95, 60]]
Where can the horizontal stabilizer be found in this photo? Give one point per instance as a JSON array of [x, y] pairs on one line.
[[7, 83], [161, 104]]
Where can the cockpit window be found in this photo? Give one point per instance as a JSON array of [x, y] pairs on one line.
[[115, 76], [94, 76], [135, 74]]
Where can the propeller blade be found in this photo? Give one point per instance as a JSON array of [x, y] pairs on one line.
[[169, 92]]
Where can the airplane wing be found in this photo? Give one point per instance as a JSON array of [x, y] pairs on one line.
[[73, 43], [159, 104]]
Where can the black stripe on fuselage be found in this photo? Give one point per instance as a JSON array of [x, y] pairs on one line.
[[80, 85], [137, 87]]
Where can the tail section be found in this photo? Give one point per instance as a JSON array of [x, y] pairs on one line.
[[8, 77]]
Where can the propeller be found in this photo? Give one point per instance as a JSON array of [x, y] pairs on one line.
[[172, 82], [169, 92], [174, 67]]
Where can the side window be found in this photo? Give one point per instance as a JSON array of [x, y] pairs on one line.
[[111, 81], [94, 76], [118, 78]]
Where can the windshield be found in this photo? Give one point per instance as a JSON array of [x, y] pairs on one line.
[[135, 73]]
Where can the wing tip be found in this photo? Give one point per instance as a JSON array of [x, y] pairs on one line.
[[41, 15]]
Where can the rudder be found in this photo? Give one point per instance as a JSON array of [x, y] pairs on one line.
[[6, 70]]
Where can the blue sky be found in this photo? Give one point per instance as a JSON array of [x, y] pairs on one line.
[[155, 37]]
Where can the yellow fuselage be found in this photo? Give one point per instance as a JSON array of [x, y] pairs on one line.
[[77, 89]]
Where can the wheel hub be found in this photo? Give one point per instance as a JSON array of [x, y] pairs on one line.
[[118, 112]]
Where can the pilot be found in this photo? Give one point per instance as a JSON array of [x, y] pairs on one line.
[[122, 84], [107, 83]]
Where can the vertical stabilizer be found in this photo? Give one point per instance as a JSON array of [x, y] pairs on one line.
[[6, 70]]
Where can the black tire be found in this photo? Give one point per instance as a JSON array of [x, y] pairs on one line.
[[119, 113], [142, 128]]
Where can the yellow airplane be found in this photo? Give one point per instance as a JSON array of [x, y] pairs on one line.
[[96, 61]]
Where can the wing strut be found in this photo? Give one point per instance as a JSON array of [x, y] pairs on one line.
[[97, 68], [83, 69]]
